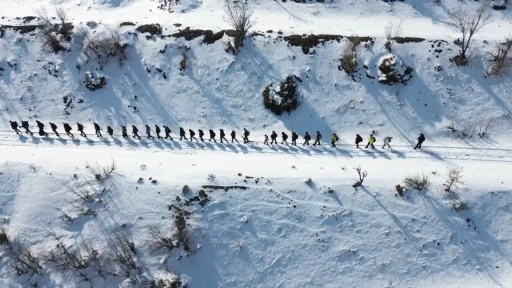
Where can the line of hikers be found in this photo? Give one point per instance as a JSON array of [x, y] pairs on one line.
[[212, 134]]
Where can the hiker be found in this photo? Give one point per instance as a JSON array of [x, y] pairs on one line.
[[246, 136], [167, 131], [157, 131], [41, 129], [359, 139], [222, 135], [54, 129], [233, 136], [212, 136], [307, 137], [182, 134], [148, 132], [14, 126], [97, 130], [295, 136], [266, 140], [387, 139], [81, 129], [334, 139], [192, 135], [284, 137], [135, 132], [124, 132], [273, 138], [421, 139], [110, 131], [201, 135], [317, 139], [371, 140], [24, 125], [67, 129]]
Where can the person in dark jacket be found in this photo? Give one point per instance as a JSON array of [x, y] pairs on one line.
[[307, 137], [295, 136], [192, 135], [359, 139], [182, 134], [334, 139], [212, 136], [54, 129], [135, 132], [157, 131], [233, 136], [14, 126], [124, 132], [246, 136], [110, 131], [284, 137], [273, 137], [421, 139], [40, 125], [97, 129], [67, 129], [81, 129], [148, 132], [201, 135], [167, 131], [317, 139], [24, 125], [266, 140], [222, 135]]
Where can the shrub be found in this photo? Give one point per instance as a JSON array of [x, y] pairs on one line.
[[500, 58], [160, 240], [185, 190], [392, 71], [183, 62], [309, 182], [282, 99], [4, 237], [458, 206], [181, 231], [454, 178], [418, 182], [105, 46], [400, 190], [102, 172], [362, 175], [349, 59], [93, 83]]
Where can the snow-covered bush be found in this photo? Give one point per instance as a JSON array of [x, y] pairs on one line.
[[454, 178], [94, 82], [282, 98], [418, 182], [393, 71]]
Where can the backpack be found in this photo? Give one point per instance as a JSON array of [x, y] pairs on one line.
[[336, 138], [248, 133], [389, 139]]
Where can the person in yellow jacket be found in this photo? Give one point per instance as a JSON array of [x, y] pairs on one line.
[[371, 140], [334, 139]]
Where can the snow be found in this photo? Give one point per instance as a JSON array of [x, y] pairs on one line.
[[275, 231]]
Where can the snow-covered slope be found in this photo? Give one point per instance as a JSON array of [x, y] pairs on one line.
[[272, 230]]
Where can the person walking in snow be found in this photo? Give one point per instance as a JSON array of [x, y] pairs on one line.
[[233, 136], [124, 132], [192, 135], [148, 132], [266, 140], [359, 139], [246, 136], [284, 137], [201, 135], [222, 135], [110, 131], [387, 139], [295, 136], [135, 132], [14, 126], [40, 125], [167, 131], [54, 129], [371, 140], [307, 137], [67, 129], [182, 134], [24, 125], [157, 131], [421, 139], [212, 136], [97, 130], [317, 139], [273, 138], [81, 129], [334, 139]]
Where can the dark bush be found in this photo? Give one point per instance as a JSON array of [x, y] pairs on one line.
[[153, 29], [287, 97], [309, 41]]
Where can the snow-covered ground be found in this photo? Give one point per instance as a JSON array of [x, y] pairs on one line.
[[273, 230]]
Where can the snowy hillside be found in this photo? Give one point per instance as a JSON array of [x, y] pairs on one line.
[[251, 220]]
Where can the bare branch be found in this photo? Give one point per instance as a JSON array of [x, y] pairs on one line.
[[239, 15]]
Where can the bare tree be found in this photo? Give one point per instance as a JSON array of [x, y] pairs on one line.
[[349, 59], [453, 179], [105, 46], [239, 15], [391, 32], [161, 241], [468, 24], [362, 174], [500, 57]]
